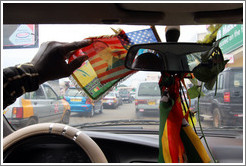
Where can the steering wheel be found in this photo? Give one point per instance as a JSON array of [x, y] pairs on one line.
[[84, 141]]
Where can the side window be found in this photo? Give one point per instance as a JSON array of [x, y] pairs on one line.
[[50, 93], [38, 94], [238, 79], [27, 95], [221, 82]]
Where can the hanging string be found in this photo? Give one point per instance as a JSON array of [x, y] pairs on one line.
[[182, 101], [188, 95], [216, 83], [199, 121], [187, 107]]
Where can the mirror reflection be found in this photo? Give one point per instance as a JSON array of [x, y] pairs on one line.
[[170, 57]]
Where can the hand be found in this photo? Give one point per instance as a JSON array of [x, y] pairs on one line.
[[50, 61]]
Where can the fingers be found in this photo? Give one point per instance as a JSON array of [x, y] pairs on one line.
[[67, 56], [76, 63], [76, 45]]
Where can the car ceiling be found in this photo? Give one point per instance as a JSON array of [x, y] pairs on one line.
[[123, 13]]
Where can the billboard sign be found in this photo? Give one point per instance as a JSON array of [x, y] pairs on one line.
[[234, 40], [20, 36]]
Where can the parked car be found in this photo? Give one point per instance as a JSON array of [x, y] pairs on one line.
[[226, 107], [111, 100], [81, 104], [42, 105], [147, 98], [125, 95]]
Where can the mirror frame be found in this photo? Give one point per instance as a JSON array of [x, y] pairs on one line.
[[178, 49]]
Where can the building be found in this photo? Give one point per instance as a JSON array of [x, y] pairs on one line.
[[232, 46]]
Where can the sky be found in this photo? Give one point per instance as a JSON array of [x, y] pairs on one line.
[[70, 33]]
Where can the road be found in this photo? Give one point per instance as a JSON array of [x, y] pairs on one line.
[[123, 112]]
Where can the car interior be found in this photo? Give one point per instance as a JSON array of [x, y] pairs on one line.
[[60, 143]]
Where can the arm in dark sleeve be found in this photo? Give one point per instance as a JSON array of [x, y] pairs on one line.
[[17, 81]]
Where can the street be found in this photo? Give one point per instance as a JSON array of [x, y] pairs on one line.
[[123, 112]]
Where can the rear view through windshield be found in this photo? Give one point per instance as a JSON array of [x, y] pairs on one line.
[[73, 93], [238, 79], [149, 89], [110, 95]]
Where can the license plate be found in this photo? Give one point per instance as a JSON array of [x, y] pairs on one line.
[[76, 100], [151, 103]]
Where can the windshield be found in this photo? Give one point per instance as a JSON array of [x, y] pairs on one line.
[[142, 106], [110, 95], [124, 92], [237, 80], [149, 89], [73, 92]]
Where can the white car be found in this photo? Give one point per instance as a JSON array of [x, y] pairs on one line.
[[147, 98], [111, 100], [42, 105]]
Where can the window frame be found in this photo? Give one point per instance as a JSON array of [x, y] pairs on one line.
[[46, 93]]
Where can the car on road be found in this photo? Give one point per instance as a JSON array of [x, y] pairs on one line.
[[147, 98], [226, 107], [125, 95], [42, 105], [111, 100], [81, 104]]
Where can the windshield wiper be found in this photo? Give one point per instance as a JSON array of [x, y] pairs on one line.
[[232, 127], [118, 123]]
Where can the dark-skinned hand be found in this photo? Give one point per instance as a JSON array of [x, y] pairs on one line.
[[50, 61]]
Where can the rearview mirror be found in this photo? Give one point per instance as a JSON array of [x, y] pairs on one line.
[[169, 57]]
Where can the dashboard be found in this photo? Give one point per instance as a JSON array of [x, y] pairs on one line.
[[118, 148]]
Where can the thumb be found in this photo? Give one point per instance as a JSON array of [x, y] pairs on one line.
[[76, 63]]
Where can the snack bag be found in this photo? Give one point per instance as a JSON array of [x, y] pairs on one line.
[[105, 66]]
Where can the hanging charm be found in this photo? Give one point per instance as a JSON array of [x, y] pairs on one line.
[[212, 63], [178, 143]]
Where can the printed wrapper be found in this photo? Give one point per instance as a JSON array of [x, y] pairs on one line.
[[105, 66]]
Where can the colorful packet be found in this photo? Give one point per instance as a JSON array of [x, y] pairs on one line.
[[105, 66]]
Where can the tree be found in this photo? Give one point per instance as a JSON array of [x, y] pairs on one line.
[[212, 33]]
